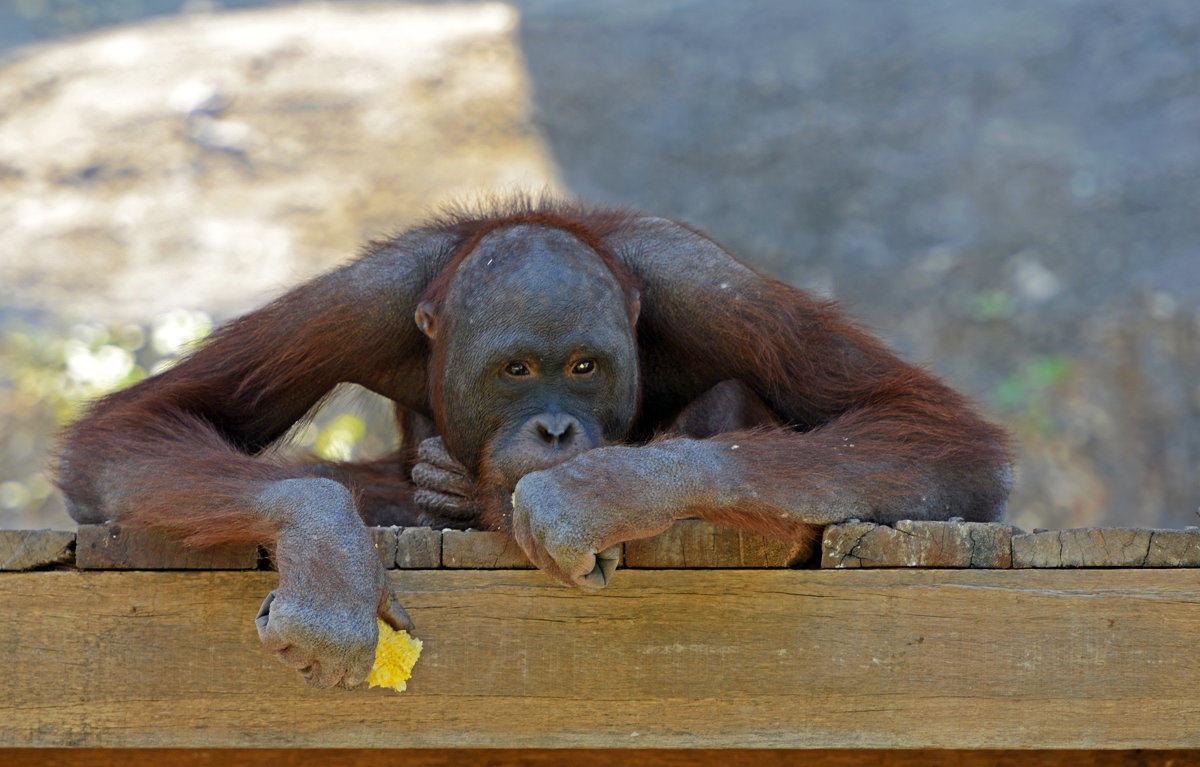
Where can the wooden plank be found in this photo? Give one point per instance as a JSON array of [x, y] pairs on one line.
[[626, 757], [384, 539], [1174, 548], [918, 544], [111, 547], [1107, 547], [30, 549], [685, 658], [694, 543], [482, 550], [418, 548]]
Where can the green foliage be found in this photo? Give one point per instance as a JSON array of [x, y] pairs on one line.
[[48, 377], [991, 305], [1028, 393], [60, 374]]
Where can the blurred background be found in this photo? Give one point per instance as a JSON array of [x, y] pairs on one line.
[[1008, 193]]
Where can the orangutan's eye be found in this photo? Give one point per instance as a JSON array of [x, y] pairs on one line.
[[517, 370], [583, 368]]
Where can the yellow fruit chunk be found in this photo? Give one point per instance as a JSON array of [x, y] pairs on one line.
[[395, 656]]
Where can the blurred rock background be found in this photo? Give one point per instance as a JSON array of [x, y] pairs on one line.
[[1008, 192]]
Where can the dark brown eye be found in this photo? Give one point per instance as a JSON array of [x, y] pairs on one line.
[[583, 368], [517, 370]]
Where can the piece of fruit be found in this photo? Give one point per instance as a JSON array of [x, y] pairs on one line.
[[395, 656]]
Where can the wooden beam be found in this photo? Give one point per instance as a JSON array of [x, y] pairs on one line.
[[918, 544], [687, 544], [646, 757], [112, 547], [479, 550], [30, 549], [1107, 547], [691, 543], [720, 659]]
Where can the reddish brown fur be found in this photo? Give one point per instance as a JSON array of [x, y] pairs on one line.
[[185, 442], [185, 451], [860, 406]]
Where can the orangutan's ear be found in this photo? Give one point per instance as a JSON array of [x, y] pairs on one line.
[[426, 319]]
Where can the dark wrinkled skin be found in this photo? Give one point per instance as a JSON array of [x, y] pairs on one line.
[[447, 489], [321, 626], [575, 537], [538, 298]]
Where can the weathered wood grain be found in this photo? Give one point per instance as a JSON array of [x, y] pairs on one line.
[[418, 548], [384, 539], [685, 658], [575, 757], [918, 544], [1107, 547], [694, 543], [1174, 548], [481, 550], [111, 547], [30, 549]]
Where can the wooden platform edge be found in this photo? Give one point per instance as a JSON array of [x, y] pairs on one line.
[[688, 544], [491, 757], [959, 659]]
